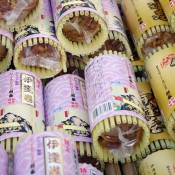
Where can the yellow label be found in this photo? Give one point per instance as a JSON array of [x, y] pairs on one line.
[[168, 7], [142, 15], [138, 63], [161, 71], [159, 163]]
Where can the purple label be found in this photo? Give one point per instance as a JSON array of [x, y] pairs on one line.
[[7, 34], [111, 89]]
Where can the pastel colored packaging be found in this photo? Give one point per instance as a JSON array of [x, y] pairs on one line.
[[115, 109], [3, 161], [80, 25], [21, 105], [46, 153], [6, 49], [160, 67], [36, 47], [148, 25]]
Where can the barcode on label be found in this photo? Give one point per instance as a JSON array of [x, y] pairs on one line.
[[102, 109]]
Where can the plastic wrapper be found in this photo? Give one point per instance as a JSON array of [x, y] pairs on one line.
[[112, 169], [160, 68], [129, 169], [20, 90], [37, 48], [3, 161], [46, 153], [119, 129], [80, 26], [66, 96], [148, 25]]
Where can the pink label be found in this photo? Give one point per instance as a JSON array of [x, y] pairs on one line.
[[21, 104], [66, 106], [3, 162], [87, 169], [47, 153], [7, 34], [111, 89]]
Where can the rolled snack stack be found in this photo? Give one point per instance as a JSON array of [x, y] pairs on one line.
[[51, 153], [3, 161], [119, 129], [112, 169], [37, 49], [159, 137], [148, 25], [80, 25], [66, 108], [169, 9], [6, 49], [160, 68], [161, 162], [16, 14], [129, 169], [21, 106]]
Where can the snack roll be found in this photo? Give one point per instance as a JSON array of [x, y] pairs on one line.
[[3, 161], [161, 162], [37, 49], [160, 68], [129, 169], [169, 9], [119, 129], [6, 49], [66, 108], [112, 169], [148, 25], [46, 153], [16, 14], [117, 39], [21, 106], [80, 25]]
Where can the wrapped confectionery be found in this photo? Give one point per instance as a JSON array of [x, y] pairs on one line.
[[66, 108], [159, 137], [148, 25], [161, 162], [50, 153], [160, 67], [80, 25], [21, 106], [3, 161], [129, 169], [119, 129], [36, 47], [16, 14], [112, 169]]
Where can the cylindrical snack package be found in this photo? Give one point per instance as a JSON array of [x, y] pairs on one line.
[[16, 14], [37, 49], [148, 25], [112, 169], [159, 137], [80, 25], [119, 129], [117, 39], [129, 169], [66, 108], [161, 162], [21, 106], [160, 68], [88, 169], [3, 161], [48, 153], [169, 9], [6, 49]]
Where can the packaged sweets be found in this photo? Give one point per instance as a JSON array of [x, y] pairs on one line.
[[161, 162], [21, 106], [112, 169], [119, 129], [6, 49], [159, 137], [148, 25], [169, 9], [3, 161], [66, 108], [80, 25], [160, 68], [48, 153], [37, 49], [88, 169], [16, 14], [129, 169]]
